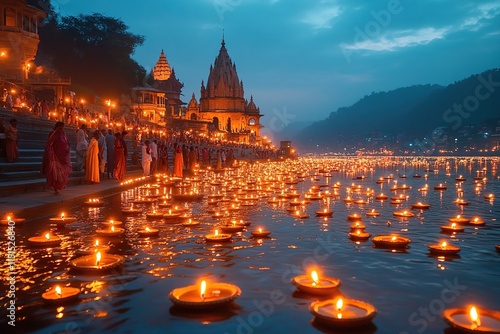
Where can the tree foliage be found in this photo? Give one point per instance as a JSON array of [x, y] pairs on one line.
[[94, 50]]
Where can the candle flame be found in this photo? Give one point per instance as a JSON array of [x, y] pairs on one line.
[[96, 242], [475, 316], [339, 304], [260, 230], [113, 228], [147, 229], [203, 288], [8, 218], [58, 291], [98, 258], [62, 215], [314, 276], [444, 244], [47, 236], [453, 225], [393, 238], [216, 232]]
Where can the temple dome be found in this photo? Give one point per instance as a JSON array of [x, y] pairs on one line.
[[251, 107], [162, 70]]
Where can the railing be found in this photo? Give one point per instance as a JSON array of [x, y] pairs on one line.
[[49, 81], [19, 30]]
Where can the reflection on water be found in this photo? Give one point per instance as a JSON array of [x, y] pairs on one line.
[[409, 287]]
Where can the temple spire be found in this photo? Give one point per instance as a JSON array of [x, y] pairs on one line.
[[223, 43]]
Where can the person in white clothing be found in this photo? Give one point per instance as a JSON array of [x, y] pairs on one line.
[[154, 157], [81, 147], [146, 158]]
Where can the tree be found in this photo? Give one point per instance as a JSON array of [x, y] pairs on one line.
[[95, 51]]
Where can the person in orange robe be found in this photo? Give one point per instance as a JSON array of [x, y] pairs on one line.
[[56, 163], [178, 162], [120, 162], [92, 160]]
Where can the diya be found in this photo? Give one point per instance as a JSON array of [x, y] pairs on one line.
[[190, 222], [343, 313], [59, 294], [443, 249], [421, 206], [191, 196], [260, 233], [143, 200], [131, 210], [93, 202], [154, 215], [9, 220], [211, 295], [62, 219], [232, 228], [461, 201], [381, 197], [477, 221], [324, 213], [390, 241], [47, 240], [348, 199], [300, 214], [110, 232], [148, 232], [359, 235], [98, 262], [452, 228], [112, 222], [96, 247], [315, 285], [164, 204], [440, 187], [273, 200], [357, 226], [372, 213], [171, 216], [404, 214], [473, 320], [489, 197], [216, 236], [459, 220], [353, 217], [460, 178]]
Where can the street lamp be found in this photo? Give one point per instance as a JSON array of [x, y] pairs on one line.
[[108, 103]]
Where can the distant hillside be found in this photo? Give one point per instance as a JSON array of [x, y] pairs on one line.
[[410, 111]]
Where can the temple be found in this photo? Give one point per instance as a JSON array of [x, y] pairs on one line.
[[222, 110]]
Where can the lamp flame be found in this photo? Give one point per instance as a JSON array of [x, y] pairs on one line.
[[216, 232], [444, 244], [62, 215], [339, 304], [58, 291], [47, 236], [98, 258], [474, 316], [96, 242], [314, 276], [260, 230], [203, 288], [393, 238]]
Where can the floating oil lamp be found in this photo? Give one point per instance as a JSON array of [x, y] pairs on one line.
[[459, 220], [381, 197], [62, 219], [154, 215], [444, 249], [424, 188], [96, 247], [148, 232], [94, 202], [354, 217], [473, 320], [357, 226], [460, 178], [348, 199], [359, 235], [232, 228], [300, 214], [489, 197], [216, 236], [273, 200], [46, 240], [9, 220], [171, 216], [453, 227], [343, 313], [313, 284], [164, 204], [143, 200], [97, 262], [417, 176], [372, 213], [260, 233], [360, 202], [390, 241], [324, 213], [440, 187], [404, 214], [477, 221], [421, 206], [461, 201], [59, 294], [190, 222], [211, 295], [112, 222], [380, 180], [110, 232], [131, 210]]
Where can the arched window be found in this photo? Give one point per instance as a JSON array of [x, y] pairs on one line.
[[193, 117], [251, 121], [215, 123]]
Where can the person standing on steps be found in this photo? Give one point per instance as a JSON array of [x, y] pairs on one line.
[[92, 160], [146, 158], [103, 152], [119, 159], [110, 158], [56, 163], [11, 140], [81, 147]]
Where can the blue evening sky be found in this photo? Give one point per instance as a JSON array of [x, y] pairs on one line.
[[305, 58]]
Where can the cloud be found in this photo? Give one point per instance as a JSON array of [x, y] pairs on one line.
[[393, 41], [479, 15], [321, 17]]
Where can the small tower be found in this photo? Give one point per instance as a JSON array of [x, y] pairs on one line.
[[162, 71]]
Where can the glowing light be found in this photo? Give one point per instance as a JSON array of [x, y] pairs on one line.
[[97, 258], [315, 278], [58, 291], [474, 316], [203, 288]]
